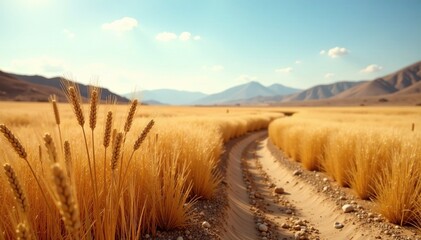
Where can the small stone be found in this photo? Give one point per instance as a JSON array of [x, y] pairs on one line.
[[347, 208], [325, 179], [180, 238], [147, 236], [297, 227], [202, 213], [272, 185], [296, 173], [187, 232], [325, 188], [370, 215], [206, 224], [263, 228], [279, 190], [338, 225], [285, 225], [342, 198], [377, 219], [288, 211]]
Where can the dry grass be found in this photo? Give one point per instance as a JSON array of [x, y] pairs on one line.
[[374, 151], [149, 182]]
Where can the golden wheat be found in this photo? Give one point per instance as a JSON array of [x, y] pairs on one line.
[[16, 187], [66, 200]]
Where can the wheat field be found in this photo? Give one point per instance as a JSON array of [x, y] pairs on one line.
[[107, 171], [374, 151]]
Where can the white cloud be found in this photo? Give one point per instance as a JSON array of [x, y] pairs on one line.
[[124, 24], [69, 34], [44, 65], [245, 78], [284, 70], [372, 68], [329, 75], [197, 38], [322, 52], [298, 62], [166, 36], [185, 36], [337, 52]]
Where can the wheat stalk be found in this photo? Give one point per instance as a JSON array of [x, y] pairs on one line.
[[51, 148], [130, 115], [20, 150], [22, 232], [16, 187], [66, 200], [106, 143], [116, 150], [53, 100]]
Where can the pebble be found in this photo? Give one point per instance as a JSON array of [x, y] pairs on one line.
[[180, 238], [147, 236], [338, 225], [342, 198], [296, 173], [206, 224], [285, 225], [263, 228], [279, 190], [347, 208], [288, 211], [325, 179], [325, 188]]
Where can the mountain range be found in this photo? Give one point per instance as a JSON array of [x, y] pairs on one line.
[[402, 87], [38, 88]]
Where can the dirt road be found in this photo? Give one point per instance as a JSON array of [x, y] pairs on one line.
[[271, 197]]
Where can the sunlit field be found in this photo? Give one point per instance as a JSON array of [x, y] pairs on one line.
[[107, 171], [374, 151]]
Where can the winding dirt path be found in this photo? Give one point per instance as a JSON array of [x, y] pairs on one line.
[[303, 211]]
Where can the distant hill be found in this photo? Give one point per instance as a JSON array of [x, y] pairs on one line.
[[322, 91], [167, 96], [55, 83], [390, 84], [244, 92], [13, 89]]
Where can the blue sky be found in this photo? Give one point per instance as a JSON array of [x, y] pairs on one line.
[[209, 46]]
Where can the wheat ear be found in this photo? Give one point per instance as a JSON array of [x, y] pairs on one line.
[[22, 232], [116, 150], [74, 99], [143, 135], [93, 109], [66, 200], [16, 187], [130, 116], [68, 157], [107, 130], [51, 148], [20, 150]]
